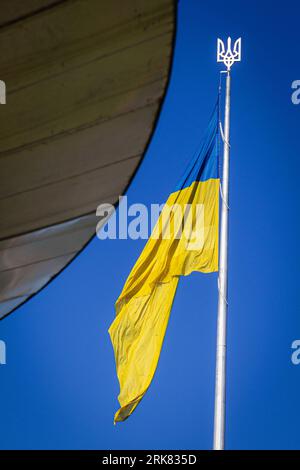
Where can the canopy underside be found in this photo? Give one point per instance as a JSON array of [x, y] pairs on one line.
[[85, 79]]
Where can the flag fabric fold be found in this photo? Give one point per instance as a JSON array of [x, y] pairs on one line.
[[184, 239]]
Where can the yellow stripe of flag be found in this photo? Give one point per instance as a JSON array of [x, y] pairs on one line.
[[185, 239]]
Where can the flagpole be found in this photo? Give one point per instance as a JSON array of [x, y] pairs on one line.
[[220, 385]]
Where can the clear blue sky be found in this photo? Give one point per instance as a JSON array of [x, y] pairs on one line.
[[59, 387]]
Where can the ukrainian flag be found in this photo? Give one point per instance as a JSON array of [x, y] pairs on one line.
[[185, 239]]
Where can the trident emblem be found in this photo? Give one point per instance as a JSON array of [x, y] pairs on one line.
[[230, 56]]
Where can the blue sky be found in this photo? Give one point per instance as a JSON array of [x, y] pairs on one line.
[[59, 388]]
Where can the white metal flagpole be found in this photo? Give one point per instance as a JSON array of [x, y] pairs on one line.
[[228, 58]]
